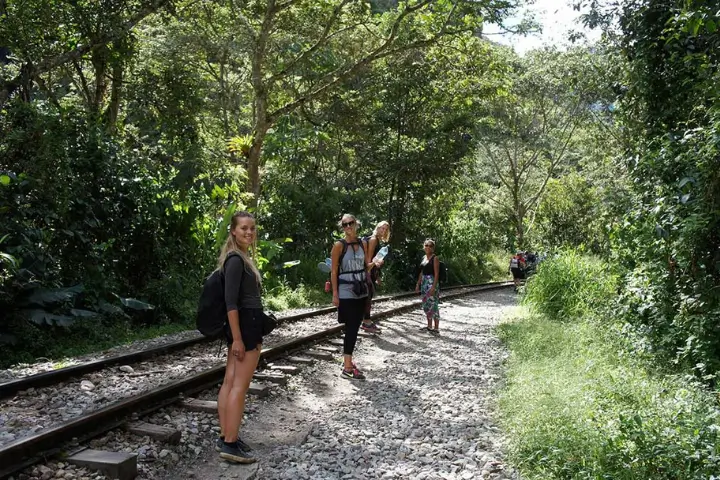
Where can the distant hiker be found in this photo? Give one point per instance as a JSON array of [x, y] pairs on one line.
[[517, 267], [243, 331], [428, 286], [350, 289], [381, 234]]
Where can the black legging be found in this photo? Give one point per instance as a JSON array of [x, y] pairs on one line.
[[350, 312], [371, 279], [368, 303]]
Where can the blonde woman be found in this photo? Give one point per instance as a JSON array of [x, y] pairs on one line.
[[427, 285], [243, 331], [381, 234], [350, 290]]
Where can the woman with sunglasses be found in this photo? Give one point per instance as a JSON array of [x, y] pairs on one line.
[[350, 290], [428, 284]]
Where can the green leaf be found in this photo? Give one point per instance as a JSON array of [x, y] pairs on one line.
[[135, 304], [291, 264], [44, 297], [78, 312], [110, 308], [42, 317], [685, 181], [5, 180]]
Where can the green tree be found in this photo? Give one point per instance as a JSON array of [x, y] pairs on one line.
[[527, 130]]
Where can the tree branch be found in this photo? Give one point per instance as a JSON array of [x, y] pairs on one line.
[[320, 42], [334, 78], [45, 65]]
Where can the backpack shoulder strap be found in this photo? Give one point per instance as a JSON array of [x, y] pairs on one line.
[[345, 245], [342, 254]]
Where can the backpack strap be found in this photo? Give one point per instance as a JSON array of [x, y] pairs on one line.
[[344, 251]]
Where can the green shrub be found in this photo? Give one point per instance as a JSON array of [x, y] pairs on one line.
[[576, 407], [570, 286], [284, 297]]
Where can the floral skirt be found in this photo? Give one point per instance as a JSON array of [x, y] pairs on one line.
[[430, 303]]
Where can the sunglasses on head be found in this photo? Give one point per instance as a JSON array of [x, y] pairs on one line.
[[348, 224]]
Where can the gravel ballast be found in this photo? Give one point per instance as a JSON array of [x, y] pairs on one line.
[[426, 410], [30, 411]]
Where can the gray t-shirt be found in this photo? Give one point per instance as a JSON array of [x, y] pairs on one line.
[[353, 260]]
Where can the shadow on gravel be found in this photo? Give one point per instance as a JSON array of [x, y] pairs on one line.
[[390, 346]]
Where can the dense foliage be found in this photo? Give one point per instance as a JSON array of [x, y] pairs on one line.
[[129, 130], [580, 402], [667, 112]]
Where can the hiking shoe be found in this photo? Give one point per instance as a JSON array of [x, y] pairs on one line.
[[370, 328], [353, 374], [244, 445], [221, 441], [434, 331], [233, 452]]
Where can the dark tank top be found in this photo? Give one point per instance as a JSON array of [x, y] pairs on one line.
[[428, 266]]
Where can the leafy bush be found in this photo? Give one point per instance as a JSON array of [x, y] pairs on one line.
[[283, 297], [569, 286], [576, 406]]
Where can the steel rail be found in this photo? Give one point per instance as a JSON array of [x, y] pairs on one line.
[[53, 377], [32, 449]]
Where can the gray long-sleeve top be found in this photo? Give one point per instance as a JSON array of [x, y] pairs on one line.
[[242, 289]]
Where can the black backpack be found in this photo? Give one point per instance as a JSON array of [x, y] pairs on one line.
[[212, 313], [443, 271], [366, 244]]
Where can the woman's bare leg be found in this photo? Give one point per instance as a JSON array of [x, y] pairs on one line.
[[225, 392], [242, 373]]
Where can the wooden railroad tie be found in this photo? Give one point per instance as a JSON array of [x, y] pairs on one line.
[[117, 465], [325, 348], [196, 405], [157, 432], [301, 360], [289, 369], [278, 379], [259, 389], [319, 355]]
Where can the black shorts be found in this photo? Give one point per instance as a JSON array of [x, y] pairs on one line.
[[518, 273], [250, 328]]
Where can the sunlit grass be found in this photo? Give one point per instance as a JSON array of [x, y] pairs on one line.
[[579, 404]]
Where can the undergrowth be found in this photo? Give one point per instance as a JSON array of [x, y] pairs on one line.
[[579, 404]]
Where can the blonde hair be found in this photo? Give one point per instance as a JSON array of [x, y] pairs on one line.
[[386, 237], [231, 245]]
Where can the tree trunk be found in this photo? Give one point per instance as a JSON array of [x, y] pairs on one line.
[[261, 129], [99, 61], [113, 108]]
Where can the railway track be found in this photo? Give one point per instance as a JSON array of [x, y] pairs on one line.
[[49, 441]]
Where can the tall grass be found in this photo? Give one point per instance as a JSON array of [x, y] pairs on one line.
[[570, 286], [578, 404]]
